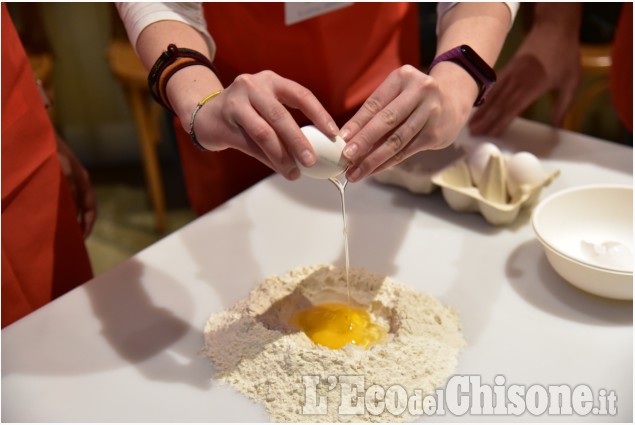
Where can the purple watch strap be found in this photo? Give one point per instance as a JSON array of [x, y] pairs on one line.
[[457, 56]]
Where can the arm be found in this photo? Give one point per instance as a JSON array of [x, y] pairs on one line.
[[548, 59], [411, 111], [251, 113]]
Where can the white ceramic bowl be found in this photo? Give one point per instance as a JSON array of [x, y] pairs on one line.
[[575, 225]]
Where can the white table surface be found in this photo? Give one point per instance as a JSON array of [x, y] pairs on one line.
[[125, 346]]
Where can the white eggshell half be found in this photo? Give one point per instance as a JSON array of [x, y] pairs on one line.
[[330, 162]]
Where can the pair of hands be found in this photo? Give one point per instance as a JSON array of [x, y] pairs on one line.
[[409, 112], [548, 59]]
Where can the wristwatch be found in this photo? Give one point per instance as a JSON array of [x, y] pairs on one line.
[[467, 58]]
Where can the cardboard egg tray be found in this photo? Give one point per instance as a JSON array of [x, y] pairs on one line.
[[448, 169]]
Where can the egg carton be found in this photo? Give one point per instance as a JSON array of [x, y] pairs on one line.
[[448, 169]]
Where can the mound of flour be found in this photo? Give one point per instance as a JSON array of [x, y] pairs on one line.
[[255, 350]]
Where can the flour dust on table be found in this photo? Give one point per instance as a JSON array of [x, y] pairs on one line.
[[255, 347]]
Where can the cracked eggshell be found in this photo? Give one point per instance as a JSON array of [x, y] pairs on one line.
[[330, 162]]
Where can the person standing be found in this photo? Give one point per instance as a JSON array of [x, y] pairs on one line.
[[43, 250], [280, 65]]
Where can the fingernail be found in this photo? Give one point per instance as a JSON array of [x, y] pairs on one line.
[[294, 174], [350, 150], [307, 158], [345, 134], [332, 127]]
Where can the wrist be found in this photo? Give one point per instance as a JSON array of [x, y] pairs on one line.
[[187, 88], [468, 60], [457, 87], [169, 63], [197, 108]]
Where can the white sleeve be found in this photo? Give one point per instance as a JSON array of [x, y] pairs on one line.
[[443, 7], [138, 15]]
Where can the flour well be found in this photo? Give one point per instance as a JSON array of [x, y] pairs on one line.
[[255, 349]]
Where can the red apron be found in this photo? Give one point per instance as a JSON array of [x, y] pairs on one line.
[[622, 68], [341, 56], [43, 252]]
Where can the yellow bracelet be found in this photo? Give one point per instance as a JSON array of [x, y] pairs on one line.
[[199, 105]]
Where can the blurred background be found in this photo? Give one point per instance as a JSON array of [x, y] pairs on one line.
[[102, 109]]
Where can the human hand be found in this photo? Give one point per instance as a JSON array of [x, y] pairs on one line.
[[407, 113], [79, 185], [548, 59], [251, 115]]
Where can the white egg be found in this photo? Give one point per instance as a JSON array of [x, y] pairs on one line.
[[523, 168], [478, 159], [330, 162]]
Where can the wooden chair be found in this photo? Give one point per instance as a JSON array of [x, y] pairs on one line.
[[42, 67], [127, 67], [596, 65]]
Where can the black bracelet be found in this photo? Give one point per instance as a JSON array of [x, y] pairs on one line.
[[158, 77]]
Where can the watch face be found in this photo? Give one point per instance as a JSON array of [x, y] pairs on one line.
[[479, 63]]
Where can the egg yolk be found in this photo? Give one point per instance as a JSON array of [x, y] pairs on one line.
[[335, 325]]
